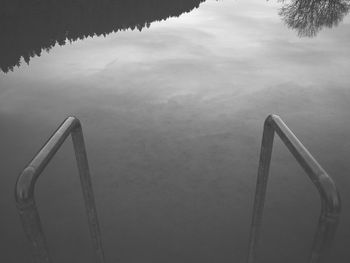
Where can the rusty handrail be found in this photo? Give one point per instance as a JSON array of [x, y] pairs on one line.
[[330, 199], [24, 191]]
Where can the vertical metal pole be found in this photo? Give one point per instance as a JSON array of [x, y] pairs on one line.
[[32, 227], [324, 236], [260, 193], [85, 179], [330, 199]]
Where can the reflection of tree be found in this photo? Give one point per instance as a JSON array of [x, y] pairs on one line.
[[308, 17], [29, 26]]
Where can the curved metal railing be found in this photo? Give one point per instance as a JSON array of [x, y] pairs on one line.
[[330, 199], [25, 185]]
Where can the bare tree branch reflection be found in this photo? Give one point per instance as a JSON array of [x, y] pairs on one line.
[[308, 17]]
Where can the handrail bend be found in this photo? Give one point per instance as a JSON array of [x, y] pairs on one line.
[[24, 191], [330, 199]]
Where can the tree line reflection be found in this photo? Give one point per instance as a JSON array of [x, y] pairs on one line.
[[308, 17], [27, 27]]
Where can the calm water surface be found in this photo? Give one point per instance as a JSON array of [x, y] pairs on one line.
[[173, 119]]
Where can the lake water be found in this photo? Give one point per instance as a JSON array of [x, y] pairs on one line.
[[173, 117]]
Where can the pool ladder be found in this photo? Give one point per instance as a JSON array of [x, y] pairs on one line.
[[326, 226]]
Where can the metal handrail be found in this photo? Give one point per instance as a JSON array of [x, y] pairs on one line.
[[330, 199], [24, 192]]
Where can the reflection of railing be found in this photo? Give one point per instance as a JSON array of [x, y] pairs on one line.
[[25, 190], [330, 199]]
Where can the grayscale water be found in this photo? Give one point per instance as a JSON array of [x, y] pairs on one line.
[[172, 117]]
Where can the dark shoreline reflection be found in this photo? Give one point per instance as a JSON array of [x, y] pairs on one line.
[[308, 17], [29, 27]]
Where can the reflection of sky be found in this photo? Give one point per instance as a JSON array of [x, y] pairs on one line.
[[241, 43], [187, 87]]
